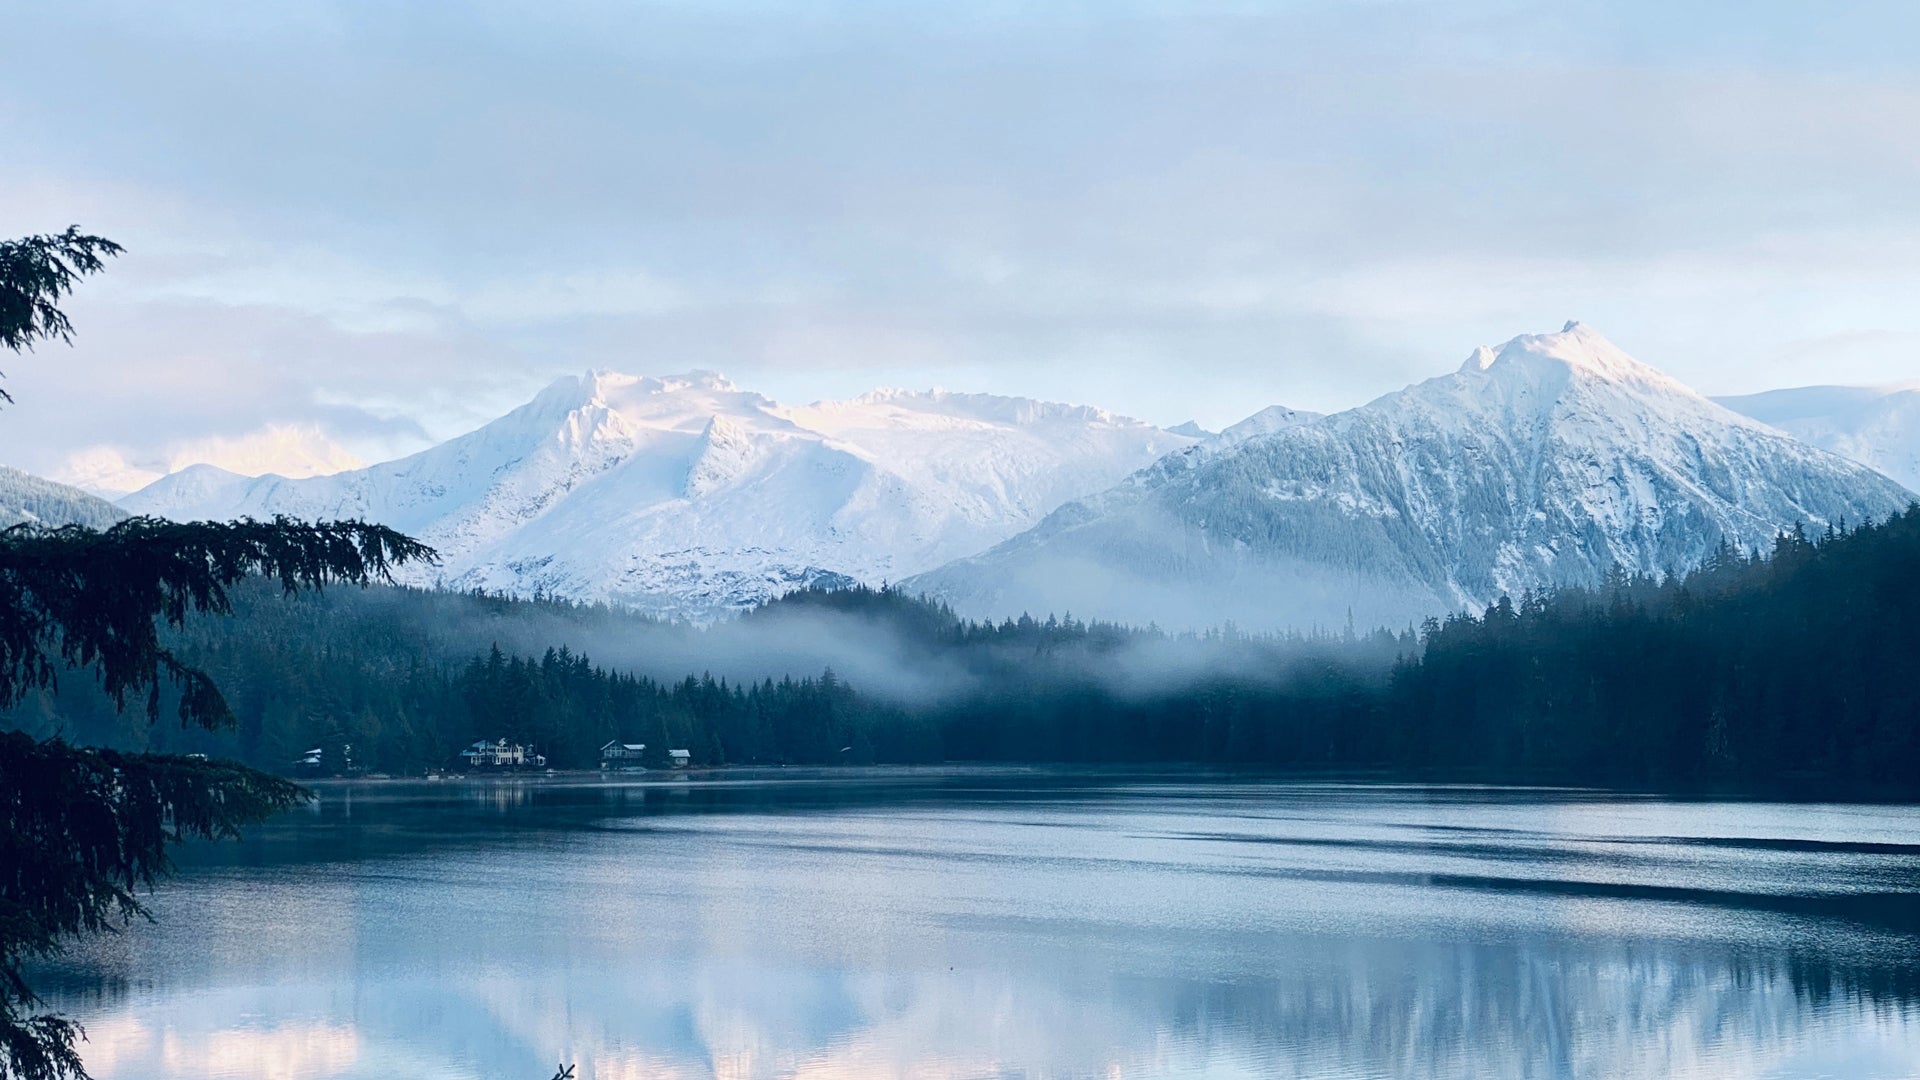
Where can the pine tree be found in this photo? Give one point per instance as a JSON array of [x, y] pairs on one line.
[[82, 829]]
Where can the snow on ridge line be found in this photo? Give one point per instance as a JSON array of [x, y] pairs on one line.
[[1540, 463], [684, 494], [1580, 349], [690, 496], [1877, 425]]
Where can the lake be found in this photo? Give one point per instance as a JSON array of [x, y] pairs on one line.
[[998, 923]]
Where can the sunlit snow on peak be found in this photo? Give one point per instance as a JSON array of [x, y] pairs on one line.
[[686, 495], [1547, 461], [1578, 350]]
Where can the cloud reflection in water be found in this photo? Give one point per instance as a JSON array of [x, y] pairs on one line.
[[1069, 930]]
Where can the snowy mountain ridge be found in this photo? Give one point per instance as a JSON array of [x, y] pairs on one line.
[[688, 496], [1545, 461], [1874, 425]]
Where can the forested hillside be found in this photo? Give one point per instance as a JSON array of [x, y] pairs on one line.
[[1805, 662], [1796, 664], [28, 499]]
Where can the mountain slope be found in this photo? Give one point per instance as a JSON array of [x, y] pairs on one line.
[[1547, 461], [1874, 425], [688, 496], [25, 498], [1267, 421]]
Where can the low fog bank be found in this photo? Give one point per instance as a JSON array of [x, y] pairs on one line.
[[894, 647], [1183, 584], [913, 651], [874, 673]]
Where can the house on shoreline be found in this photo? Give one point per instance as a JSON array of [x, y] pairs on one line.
[[501, 754], [622, 755]]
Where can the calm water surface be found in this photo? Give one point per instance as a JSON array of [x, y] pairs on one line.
[[991, 924]]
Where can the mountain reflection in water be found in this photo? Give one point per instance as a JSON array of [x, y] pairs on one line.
[[1008, 923]]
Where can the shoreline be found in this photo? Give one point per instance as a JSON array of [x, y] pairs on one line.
[[1786, 789]]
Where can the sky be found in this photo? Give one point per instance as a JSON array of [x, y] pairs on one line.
[[357, 228]]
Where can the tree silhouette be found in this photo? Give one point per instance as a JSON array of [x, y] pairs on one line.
[[36, 273], [82, 829]]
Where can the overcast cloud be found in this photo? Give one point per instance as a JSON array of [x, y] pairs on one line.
[[378, 224]]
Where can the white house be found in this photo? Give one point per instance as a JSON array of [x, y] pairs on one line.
[[501, 755], [680, 758]]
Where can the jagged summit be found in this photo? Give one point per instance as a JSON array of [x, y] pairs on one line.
[[1481, 360], [1575, 351]]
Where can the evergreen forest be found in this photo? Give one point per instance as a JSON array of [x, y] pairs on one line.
[[1800, 665]]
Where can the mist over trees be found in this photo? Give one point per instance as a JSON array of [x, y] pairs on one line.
[[1752, 670]]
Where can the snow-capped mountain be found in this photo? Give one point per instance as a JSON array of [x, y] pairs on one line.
[[1874, 425], [1545, 461], [28, 499], [689, 496]]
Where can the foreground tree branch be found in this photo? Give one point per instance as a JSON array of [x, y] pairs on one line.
[[36, 273], [83, 830], [79, 598]]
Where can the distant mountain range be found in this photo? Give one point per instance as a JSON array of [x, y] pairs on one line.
[[689, 497], [1548, 460], [1874, 425], [1545, 461]]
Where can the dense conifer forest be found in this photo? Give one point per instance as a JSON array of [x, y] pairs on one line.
[[1798, 664]]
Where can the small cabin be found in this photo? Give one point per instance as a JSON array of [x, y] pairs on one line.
[[680, 758], [621, 755]]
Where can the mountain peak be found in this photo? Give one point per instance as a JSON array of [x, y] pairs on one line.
[[1577, 349], [1545, 461]]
